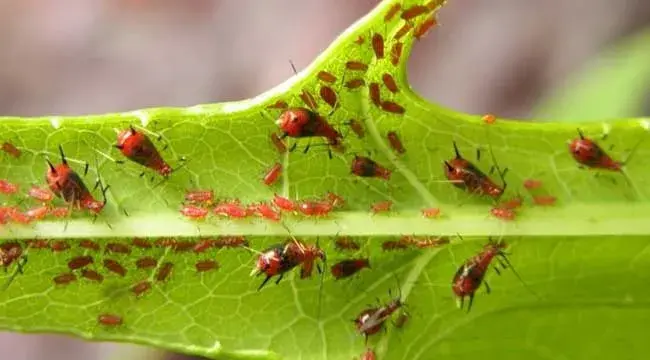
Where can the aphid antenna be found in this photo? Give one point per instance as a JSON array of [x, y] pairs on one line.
[[502, 173], [184, 160], [632, 152], [582, 136], [159, 137], [293, 238], [18, 270]]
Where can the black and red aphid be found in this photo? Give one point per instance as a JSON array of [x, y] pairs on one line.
[[465, 175], [366, 167], [65, 183], [370, 321], [587, 152], [273, 262], [137, 147], [395, 142], [348, 267]]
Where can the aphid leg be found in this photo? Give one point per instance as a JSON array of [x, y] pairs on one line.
[[496, 270], [487, 287], [277, 282], [158, 137], [470, 302], [264, 283]]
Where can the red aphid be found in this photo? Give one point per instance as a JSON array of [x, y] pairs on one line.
[[9, 253], [588, 153], [356, 65], [355, 83], [141, 287], [513, 203], [424, 27], [194, 212], [280, 104], [395, 142], [92, 275], [206, 265], [431, 213], [11, 149], [392, 107], [378, 45], [60, 212], [202, 246], [381, 206], [503, 213], [137, 147], [199, 196], [80, 262], [67, 184], [414, 11], [470, 275], [369, 354], [64, 279], [141, 243], [110, 320], [328, 95], [304, 254], [146, 262], [346, 243], [366, 167], [302, 122], [326, 77], [489, 118], [544, 200], [115, 267], [8, 188], [402, 31], [59, 245], [230, 242], [374, 92], [266, 211], [278, 143], [392, 12], [40, 194], [357, 128], [465, 175], [89, 245], [231, 209], [349, 267], [315, 208], [37, 213], [182, 246], [532, 184], [164, 271], [17, 216], [37, 244], [389, 82], [273, 262], [118, 248], [396, 53], [284, 203], [273, 174]]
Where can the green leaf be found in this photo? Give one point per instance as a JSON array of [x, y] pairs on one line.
[[614, 85], [584, 258]]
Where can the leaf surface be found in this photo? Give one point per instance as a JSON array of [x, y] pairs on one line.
[[583, 260]]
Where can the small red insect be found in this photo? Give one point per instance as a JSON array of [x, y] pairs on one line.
[[381, 206], [465, 175], [9, 253], [278, 105], [118, 248], [378, 45], [366, 167], [392, 12], [232, 209], [284, 203], [369, 354], [273, 174], [115, 267], [137, 147], [194, 212], [305, 255], [266, 211], [110, 320], [588, 153], [544, 200], [80, 262], [371, 321], [64, 279], [513, 203], [349, 267], [326, 77], [8, 188], [414, 11], [346, 243], [92, 275], [355, 83], [431, 213], [315, 208], [278, 143], [329, 96], [424, 28], [60, 212], [59, 245], [146, 262], [273, 262], [302, 122], [503, 213], [392, 107], [141, 287], [389, 82], [356, 65], [141, 243], [402, 31], [40, 194], [182, 246], [37, 244], [67, 184], [489, 118], [532, 184], [374, 92], [206, 265], [164, 271], [89, 244], [37, 213], [357, 128], [396, 53], [202, 245], [11, 149], [395, 142], [199, 196]]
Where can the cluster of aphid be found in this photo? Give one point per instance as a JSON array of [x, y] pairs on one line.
[[66, 185]]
